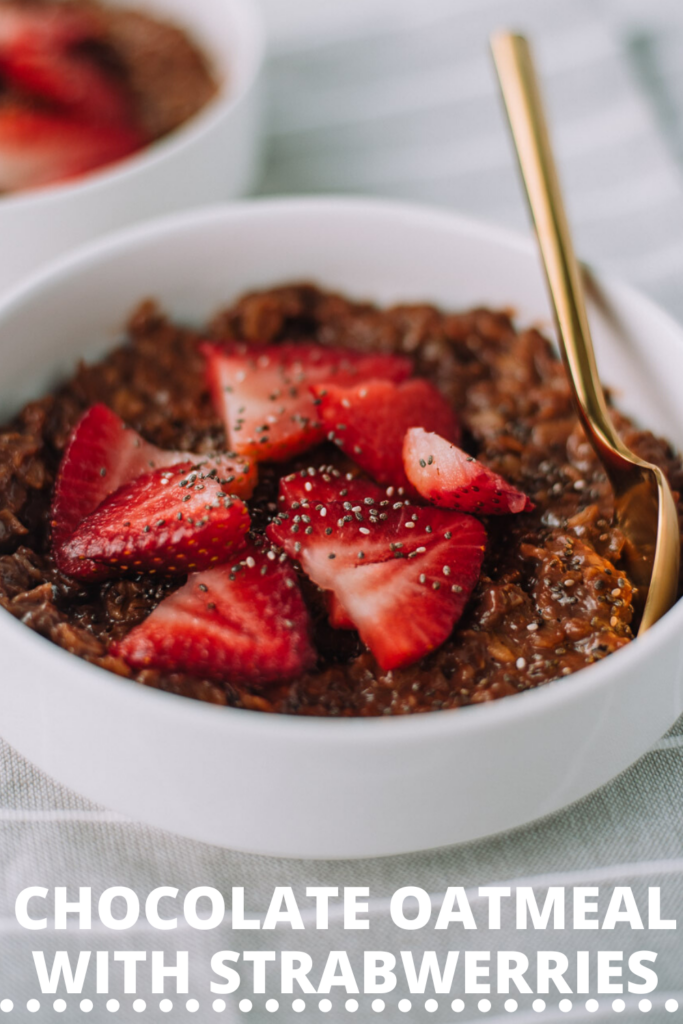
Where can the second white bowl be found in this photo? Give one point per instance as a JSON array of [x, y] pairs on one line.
[[211, 158]]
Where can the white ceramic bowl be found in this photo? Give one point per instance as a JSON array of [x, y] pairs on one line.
[[212, 157], [308, 787]]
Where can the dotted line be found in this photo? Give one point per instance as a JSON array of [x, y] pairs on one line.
[[113, 1005], [351, 1005], [457, 1005]]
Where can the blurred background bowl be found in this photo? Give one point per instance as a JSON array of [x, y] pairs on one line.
[[212, 157]]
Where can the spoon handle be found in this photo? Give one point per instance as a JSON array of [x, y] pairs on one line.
[[644, 505], [522, 97]]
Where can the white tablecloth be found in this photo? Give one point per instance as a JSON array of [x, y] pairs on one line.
[[397, 97]]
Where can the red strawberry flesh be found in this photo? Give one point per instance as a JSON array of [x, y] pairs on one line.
[[369, 420], [39, 148], [103, 454], [42, 53], [172, 520], [333, 490], [329, 485], [244, 622], [338, 617], [448, 477], [401, 573], [262, 392]]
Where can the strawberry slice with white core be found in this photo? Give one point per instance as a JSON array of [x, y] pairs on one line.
[[262, 392], [103, 454], [338, 617], [38, 148], [369, 420], [174, 520], [448, 477], [331, 488], [42, 53], [401, 573], [244, 622]]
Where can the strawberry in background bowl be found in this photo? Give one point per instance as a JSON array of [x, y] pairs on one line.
[[112, 113]]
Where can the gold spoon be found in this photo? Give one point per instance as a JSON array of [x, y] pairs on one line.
[[644, 506]]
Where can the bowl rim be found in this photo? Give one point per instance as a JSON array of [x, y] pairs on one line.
[[549, 698], [219, 107]]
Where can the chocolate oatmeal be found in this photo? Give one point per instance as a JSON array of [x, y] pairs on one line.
[[167, 74], [550, 599]]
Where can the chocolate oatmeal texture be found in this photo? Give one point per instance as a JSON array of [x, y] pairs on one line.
[[167, 74], [550, 599]]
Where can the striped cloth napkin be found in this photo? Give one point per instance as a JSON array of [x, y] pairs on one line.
[[393, 97], [397, 98]]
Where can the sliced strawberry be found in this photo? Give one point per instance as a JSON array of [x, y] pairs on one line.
[[329, 485], [172, 520], [54, 25], [262, 391], [335, 496], [338, 616], [369, 420], [38, 148], [447, 476], [401, 573], [42, 53], [244, 622], [103, 453]]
